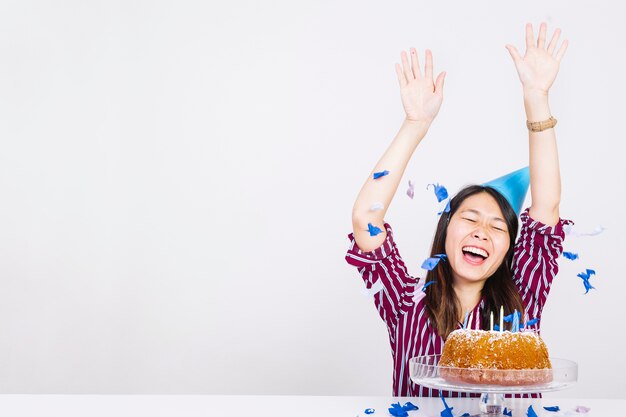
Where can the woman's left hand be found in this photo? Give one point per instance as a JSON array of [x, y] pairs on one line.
[[539, 66]]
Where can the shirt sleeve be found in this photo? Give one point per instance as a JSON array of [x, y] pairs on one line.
[[385, 275], [535, 260]]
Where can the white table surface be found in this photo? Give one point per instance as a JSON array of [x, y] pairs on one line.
[[275, 406]]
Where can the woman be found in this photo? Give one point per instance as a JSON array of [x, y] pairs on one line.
[[485, 268]]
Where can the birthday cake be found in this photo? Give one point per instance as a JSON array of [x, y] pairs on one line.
[[495, 358]]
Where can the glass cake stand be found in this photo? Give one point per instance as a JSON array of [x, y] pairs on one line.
[[426, 372]]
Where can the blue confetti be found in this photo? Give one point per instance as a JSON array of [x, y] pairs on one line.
[[401, 410], [430, 263], [514, 319], [496, 327], [554, 409], [377, 175], [447, 411], [373, 229], [428, 284], [409, 406], [531, 412], [570, 255], [440, 192], [396, 410], [508, 319], [445, 210], [530, 323], [466, 415], [369, 411], [507, 412], [585, 277]]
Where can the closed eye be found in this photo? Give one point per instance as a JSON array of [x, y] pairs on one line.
[[469, 220]]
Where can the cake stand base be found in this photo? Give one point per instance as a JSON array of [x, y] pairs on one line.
[[491, 404]]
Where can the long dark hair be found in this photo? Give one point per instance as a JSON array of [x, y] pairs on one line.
[[499, 289]]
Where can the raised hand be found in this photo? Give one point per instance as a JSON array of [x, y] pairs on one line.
[[538, 68], [421, 98]]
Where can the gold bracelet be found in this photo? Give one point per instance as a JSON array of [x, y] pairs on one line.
[[541, 126]]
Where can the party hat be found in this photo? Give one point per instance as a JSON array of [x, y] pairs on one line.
[[513, 187]]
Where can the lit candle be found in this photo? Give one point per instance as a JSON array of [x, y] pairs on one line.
[[469, 325], [501, 318], [491, 321]]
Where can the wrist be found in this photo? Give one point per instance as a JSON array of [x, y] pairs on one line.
[[537, 106], [417, 123], [535, 95]]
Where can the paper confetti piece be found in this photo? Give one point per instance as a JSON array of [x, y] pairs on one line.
[[510, 317], [411, 191], [530, 323], [554, 409], [401, 410], [446, 209], [585, 277], [507, 412], [447, 411], [569, 230], [430, 263], [373, 229], [409, 406], [377, 175], [369, 411], [570, 255], [531, 412], [428, 284], [496, 327], [582, 409], [377, 206], [374, 289], [440, 192], [466, 415], [396, 410]]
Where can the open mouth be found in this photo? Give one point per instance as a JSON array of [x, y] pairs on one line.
[[474, 255]]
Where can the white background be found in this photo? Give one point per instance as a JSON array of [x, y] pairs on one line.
[[177, 180]]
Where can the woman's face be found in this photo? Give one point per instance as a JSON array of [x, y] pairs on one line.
[[477, 239]]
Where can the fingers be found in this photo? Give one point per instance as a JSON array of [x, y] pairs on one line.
[[429, 65], [415, 62], [439, 83], [406, 68], [514, 53], [401, 78], [541, 41], [530, 38], [407, 72], [561, 51], [554, 41], [411, 71]]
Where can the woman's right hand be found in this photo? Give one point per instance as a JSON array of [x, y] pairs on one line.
[[420, 97]]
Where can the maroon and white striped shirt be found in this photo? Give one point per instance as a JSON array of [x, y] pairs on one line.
[[400, 300]]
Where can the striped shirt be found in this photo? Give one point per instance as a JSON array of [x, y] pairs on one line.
[[401, 304]]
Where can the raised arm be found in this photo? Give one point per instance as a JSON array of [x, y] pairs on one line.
[[537, 71], [421, 99]]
